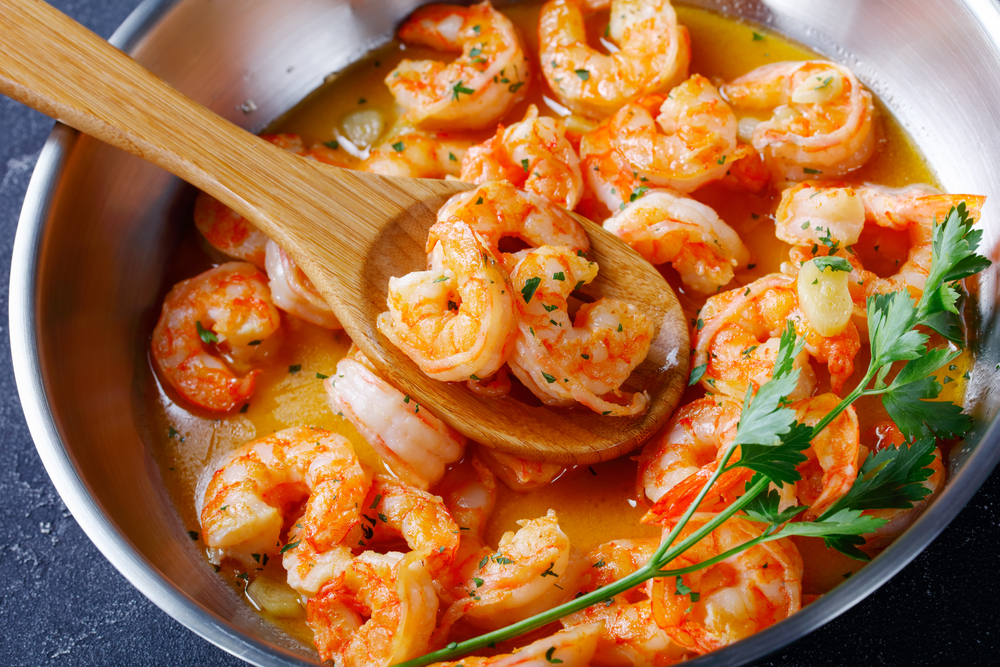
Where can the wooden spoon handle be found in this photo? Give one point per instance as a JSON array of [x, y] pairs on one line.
[[55, 65]]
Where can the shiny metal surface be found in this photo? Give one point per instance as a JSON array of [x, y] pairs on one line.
[[97, 226]]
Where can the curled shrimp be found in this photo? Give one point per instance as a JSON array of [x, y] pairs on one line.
[[822, 122], [533, 569], [380, 611], [675, 467], [416, 154], [629, 635], [691, 142], [832, 463], [293, 292], [532, 154], [573, 647], [517, 474], [887, 434], [735, 330], [655, 52], [737, 597], [455, 323], [414, 444], [477, 88], [665, 227], [246, 500], [585, 359], [690, 441], [469, 492], [498, 210], [822, 219], [228, 308], [235, 236], [394, 509]]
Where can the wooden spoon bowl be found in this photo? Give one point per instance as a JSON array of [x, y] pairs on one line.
[[349, 231]]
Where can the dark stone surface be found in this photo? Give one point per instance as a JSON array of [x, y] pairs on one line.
[[62, 603]]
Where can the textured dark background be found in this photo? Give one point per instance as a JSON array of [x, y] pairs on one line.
[[62, 603]]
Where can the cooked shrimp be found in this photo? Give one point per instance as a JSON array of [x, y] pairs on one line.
[[666, 227], [822, 122], [737, 597], [887, 434], [630, 636], [519, 474], [380, 611], [456, 323], [497, 210], [235, 236], [734, 330], [476, 89], [692, 141], [675, 467], [690, 441], [655, 52], [842, 211], [394, 509], [571, 648], [832, 464], [246, 500], [469, 491], [227, 308], [415, 154], [532, 154], [293, 292], [586, 359], [534, 569], [414, 444]]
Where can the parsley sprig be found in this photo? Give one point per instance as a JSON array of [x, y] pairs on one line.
[[771, 441]]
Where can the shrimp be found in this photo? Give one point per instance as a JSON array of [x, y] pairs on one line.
[[456, 323], [475, 90], [586, 359], [832, 464], [469, 492], [630, 636], [415, 154], [663, 227], [224, 312], [235, 236], [822, 219], [887, 434], [497, 210], [823, 121], [533, 155], [293, 292], [674, 468], [571, 648], [251, 491], [380, 611], [691, 142], [655, 53], [413, 443], [732, 339], [519, 474], [533, 569], [737, 597], [397, 509], [691, 440]]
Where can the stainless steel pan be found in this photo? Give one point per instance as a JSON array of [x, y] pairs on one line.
[[98, 225]]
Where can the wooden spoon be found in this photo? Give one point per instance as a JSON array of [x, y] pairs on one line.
[[349, 231]]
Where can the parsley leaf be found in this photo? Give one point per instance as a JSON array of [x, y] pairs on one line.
[[891, 478], [840, 530], [764, 507], [832, 263], [915, 415], [780, 461], [697, 373]]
